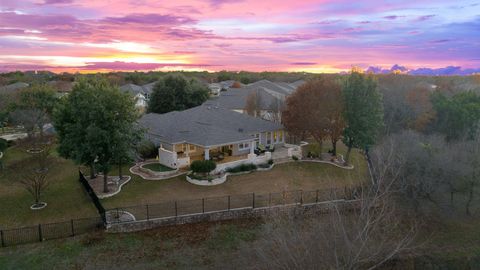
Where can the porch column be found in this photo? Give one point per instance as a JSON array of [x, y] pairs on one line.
[[207, 153], [252, 147]]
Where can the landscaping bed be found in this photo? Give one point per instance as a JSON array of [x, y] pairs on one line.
[[157, 167]]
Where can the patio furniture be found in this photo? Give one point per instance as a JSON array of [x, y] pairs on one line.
[[271, 148], [260, 149]]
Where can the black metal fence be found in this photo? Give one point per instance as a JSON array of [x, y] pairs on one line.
[[42, 232], [93, 196], [226, 203]]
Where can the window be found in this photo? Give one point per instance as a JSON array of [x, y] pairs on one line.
[[280, 136], [257, 139], [192, 148], [243, 146], [269, 138]]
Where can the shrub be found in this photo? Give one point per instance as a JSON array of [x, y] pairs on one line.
[[295, 158], [264, 165], [203, 166], [270, 161], [242, 168], [147, 149], [3, 144]]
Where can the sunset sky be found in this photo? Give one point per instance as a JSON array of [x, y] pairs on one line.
[[255, 35]]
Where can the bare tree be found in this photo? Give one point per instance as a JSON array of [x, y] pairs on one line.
[[466, 170], [275, 110], [363, 234], [34, 171], [254, 104]]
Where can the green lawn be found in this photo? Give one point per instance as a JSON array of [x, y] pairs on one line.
[[65, 196], [289, 176], [157, 167]]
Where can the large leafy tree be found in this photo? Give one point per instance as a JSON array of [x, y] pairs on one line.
[[363, 111], [34, 107], [95, 123], [458, 116], [175, 93], [316, 109]]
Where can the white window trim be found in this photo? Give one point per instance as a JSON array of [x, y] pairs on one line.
[[243, 146]]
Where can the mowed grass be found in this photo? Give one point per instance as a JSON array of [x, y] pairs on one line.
[[67, 200], [65, 196], [289, 176], [157, 167], [192, 246]]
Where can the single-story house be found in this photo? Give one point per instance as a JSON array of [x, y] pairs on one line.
[[141, 94], [269, 98], [12, 88], [210, 132]]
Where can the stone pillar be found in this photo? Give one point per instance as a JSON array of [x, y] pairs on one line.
[[207, 153], [251, 156]]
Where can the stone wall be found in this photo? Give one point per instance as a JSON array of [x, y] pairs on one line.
[[296, 210]]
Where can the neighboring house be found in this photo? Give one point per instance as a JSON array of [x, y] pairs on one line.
[[215, 89], [11, 88], [209, 132], [62, 88], [141, 94], [269, 96]]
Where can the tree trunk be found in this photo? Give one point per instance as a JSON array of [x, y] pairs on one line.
[[347, 156], [469, 201], [105, 182], [334, 146], [92, 171], [120, 176]]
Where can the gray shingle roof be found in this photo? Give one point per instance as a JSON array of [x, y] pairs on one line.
[[132, 89], [7, 89], [205, 126], [269, 92]]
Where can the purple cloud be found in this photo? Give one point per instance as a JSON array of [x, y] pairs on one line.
[[150, 19], [392, 17], [425, 17], [440, 41], [136, 66], [54, 2], [303, 63]]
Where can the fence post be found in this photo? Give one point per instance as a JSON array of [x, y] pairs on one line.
[[40, 237], [301, 197], [176, 210], [228, 202], [253, 200], [73, 229], [316, 197], [203, 205], [270, 199], [284, 198], [2, 239], [148, 214]]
